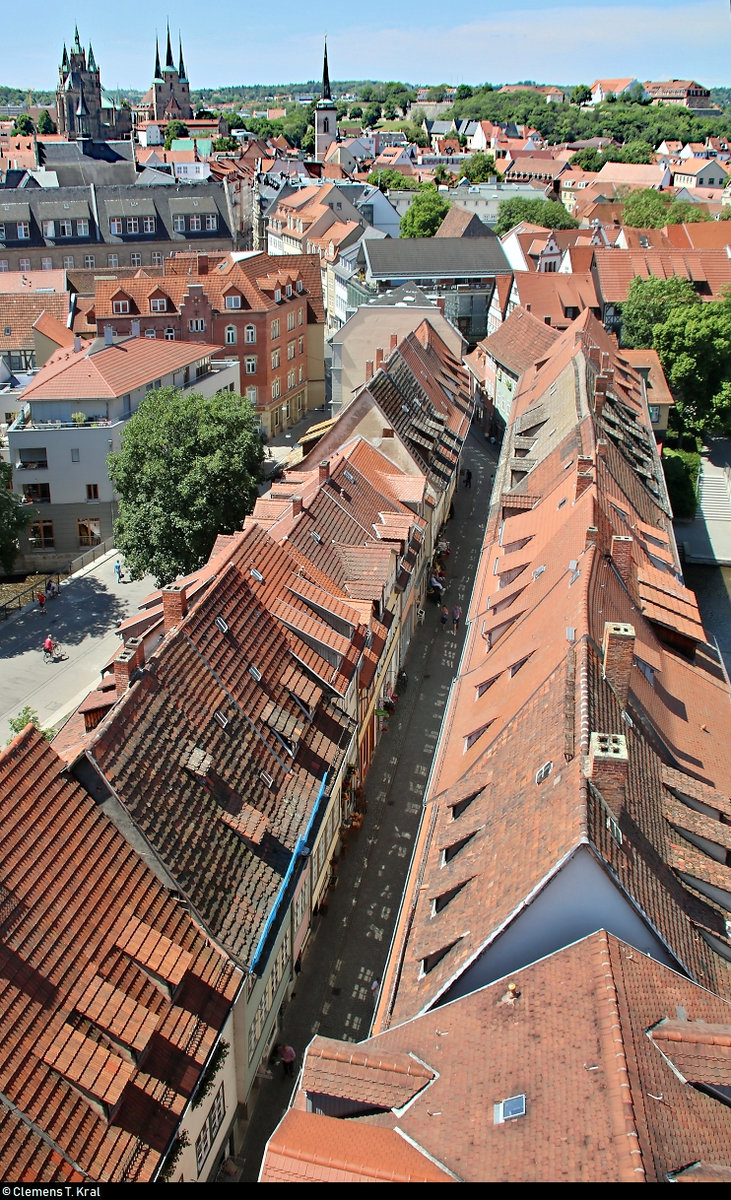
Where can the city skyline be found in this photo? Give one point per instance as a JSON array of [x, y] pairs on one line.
[[654, 39]]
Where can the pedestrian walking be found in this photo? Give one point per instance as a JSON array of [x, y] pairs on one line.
[[468, 479], [443, 617], [118, 571], [42, 602], [374, 987], [456, 618], [286, 1057]]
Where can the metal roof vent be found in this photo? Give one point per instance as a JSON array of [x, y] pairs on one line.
[[257, 575], [255, 673], [222, 624]]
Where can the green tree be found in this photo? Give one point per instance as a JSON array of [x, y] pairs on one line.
[[425, 214], [548, 213], [389, 178], [356, 112], [372, 115], [480, 168], [225, 144], [685, 212], [187, 471], [27, 716], [679, 470], [23, 125], [581, 94], [175, 129], [694, 347], [645, 209], [308, 142], [464, 92], [45, 124], [649, 304], [14, 518]]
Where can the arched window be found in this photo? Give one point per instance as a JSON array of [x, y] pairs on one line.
[[250, 334], [230, 335], [326, 125]]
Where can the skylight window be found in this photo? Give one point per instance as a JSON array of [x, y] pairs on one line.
[[350, 478], [544, 772], [221, 718], [255, 673], [268, 779], [222, 624], [257, 575], [508, 1110]]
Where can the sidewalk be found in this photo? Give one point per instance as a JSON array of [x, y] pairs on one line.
[[83, 618], [707, 538], [350, 943]]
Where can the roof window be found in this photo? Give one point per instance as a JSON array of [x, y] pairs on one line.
[[222, 624], [544, 772], [450, 852], [257, 575], [268, 779], [221, 718], [507, 1110], [255, 673]]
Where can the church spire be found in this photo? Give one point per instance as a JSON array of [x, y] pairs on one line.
[[169, 64], [325, 77], [181, 68], [91, 64], [65, 60], [158, 72], [77, 40]]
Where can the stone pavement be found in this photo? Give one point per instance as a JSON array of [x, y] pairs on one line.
[[707, 539], [347, 951], [89, 606]]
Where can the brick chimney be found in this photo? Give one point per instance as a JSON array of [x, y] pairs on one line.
[[608, 767], [622, 556], [202, 264], [618, 651], [388, 432], [369, 369], [393, 343], [379, 357], [174, 605], [296, 506], [138, 646], [124, 669], [584, 480], [323, 471], [601, 448], [592, 536]]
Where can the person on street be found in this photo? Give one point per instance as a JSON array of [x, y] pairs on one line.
[[456, 618], [287, 1056]]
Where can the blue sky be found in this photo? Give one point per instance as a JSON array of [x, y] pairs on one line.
[[570, 41]]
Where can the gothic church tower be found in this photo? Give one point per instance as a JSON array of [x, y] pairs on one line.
[[84, 109], [326, 122]]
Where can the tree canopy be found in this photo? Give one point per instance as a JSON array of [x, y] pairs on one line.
[[389, 177], [187, 471], [693, 342], [548, 213], [45, 124], [649, 303], [22, 125], [174, 129], [14, 518], [480, 168], [425, 214]]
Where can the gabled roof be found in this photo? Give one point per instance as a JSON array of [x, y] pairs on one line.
[[20, 311], [429, 258], [94, 372], [100, 968], [596, 1040], [580, 539], [520, 341], [220, 751], [615, 269]]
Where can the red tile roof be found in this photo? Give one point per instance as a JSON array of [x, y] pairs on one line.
[[92, 373], [597, 1040], [90, 938]]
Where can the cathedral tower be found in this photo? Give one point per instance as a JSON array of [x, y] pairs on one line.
[[326, 121], [84, 109]]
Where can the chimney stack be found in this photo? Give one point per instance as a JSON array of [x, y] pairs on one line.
[[585, 475], [124, 669], [174, 605], [608, 768], [618, 651], [592, 536], [379, 357], [137, 645], [622, 556], [108, 336], [601, 448], [369, 369], [324, 471], [394, 342], [296, 506], [388, 432]]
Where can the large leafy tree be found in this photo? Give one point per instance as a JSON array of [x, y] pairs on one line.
[[649, 304], [14, 518], [175, 129], [480, 168], [23, 125], [389, 178], [45, 124], [548, 213], [187, 471], [694, 347], [425, 214]]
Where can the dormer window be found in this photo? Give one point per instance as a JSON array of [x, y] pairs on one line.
[[233, 300], [288, 290], [299, 285], [278, 296], [120, 307], [158, 304]]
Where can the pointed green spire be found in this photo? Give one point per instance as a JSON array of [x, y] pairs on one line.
[[326, 78], [181, 68], [65, 59], [158, 72], [77, 40], [169, 64], [91, 64]]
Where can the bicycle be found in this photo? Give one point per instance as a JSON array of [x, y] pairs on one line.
[[54, 653]]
